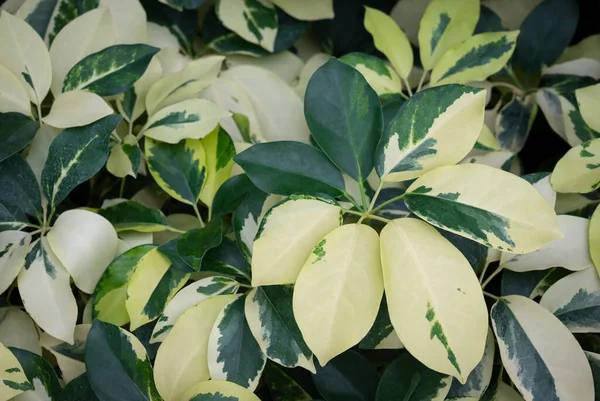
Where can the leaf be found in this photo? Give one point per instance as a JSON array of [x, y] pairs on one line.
[[77, 108], [541, 182], [537, 368], [117, 365], [13, 248], [75, 156], [108, 301], [110, 71], [233, 352], [475, 206], [475, 59], [130, 19], [254, 20], [310, 10], [282, 387], [507, 393], [571, 252], [189, 297], [230, 194], [540, 43], [24, 53], [14, 381], [379, 75], [287, 167], [530, 284], [346, 262], [16, 132], [594, 361], [78, 389], [85, 243], [18, 330], [216, 389], [40, 373], [407, 376], [347, 377], [514, 123], [70, 358], [134, 215], [46, 292], [227, 258], [444, 25], [181, 360], [432, 297], [435, 127], [132, 103], [21, 194], [588, 99], [219, 150], [13, 94], [179, 169], [577, 171], [382, 335], [344, 117], [124, 158], [390, 40], [575, 301], [152, 285]]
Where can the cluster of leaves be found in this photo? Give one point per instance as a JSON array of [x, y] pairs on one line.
[[223, 211]]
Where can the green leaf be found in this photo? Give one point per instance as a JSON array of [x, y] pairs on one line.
[[39, 372], [282, 387], [347, 377], [344, 116], [230, 194], [226, 258], [218, 390], [220, 150], [530, 284], [8, 221], [253, 20], [233, 353], [187, 4], [20, 193], [117, 365], [380, 76], [13, 378], [415, 381], [514, 122], [16, 132], [382, 334], [133, 215], [270, 316], [545, 34], [75, 156], [594, 361], [110, 71], [78, 389], [286, 167]]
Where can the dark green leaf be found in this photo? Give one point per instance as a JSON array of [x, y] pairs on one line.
[[248, 213], [344, 116], [282, 387], [187, 4], [133, 215], [16, 131], [594, 361], [530, 284], [513, 124], [38, 372], [49, 17], [475, 252], [20, 193], [182, 24], [381, 329], [226, 258], [8, 221], [230, 194], [489, 21], [78, 389]]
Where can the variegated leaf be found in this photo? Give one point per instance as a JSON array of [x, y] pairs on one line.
[[253, 20], [578, 170], [589, 101], [77, 108], [12, 377], [13, 248], [219, 150], [531, 284], [124, 158], [13, 94], [594, 238], [40, 374], [382, 335], [514, 122], [380, 76], [18, 330], [309, 10], [215, 389], [48, 18], [132, 103], [134, 215], [129, 16], [70, 358]]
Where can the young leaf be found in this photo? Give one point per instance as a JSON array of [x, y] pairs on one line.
[[432, 297], [78, 389], [514, 122], [108, 301], [46, 292], [230, 194], [344, 116], [75, 156], [193, 245], [382, 335], [444, 25], [13, 94], [434, 128], [405, 375], [134, 215], [77, 108], [282, 387], [538, 368], [288, 234], [181, 360], [39, 373], [577, 170], [475, 205], [331, 317], [20, 193], [16, 132], [215, 389], [287, 167], [227, 258], [253, 20], [588, 99], [12, 377], [117, 365], [219, 150], [379, 75], [233, 352], [124, 158], [390, 40], [132, 103]]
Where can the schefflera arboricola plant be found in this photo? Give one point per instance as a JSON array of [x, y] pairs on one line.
[[331, 250]]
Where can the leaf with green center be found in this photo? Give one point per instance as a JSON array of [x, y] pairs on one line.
[[579, 169], [379, 75], [227, 258], [254, 20], [117, 365], [230, 194], [531, 284], [282, 387], [40, 373], [78, 389], [309, 10], [132, 103], [12, 377], [20, 193], [124, 159], [382, 335], [111, 71], [133, 215], [514, 123], [217, 390], [16, 132], [220, 150]]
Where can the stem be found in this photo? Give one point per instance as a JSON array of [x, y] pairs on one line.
[[245, 285], [516, 90], [202, 225], [487, 294], [363, 195], [494, 274], [422, 80], [175, 230], [122, 189], [387, 202], [130, 128], [513, 77], [345, 195], [39, 111], [375, 196], [403, 95], [366, 215], [483, 272], [408, 88], [116, 137]]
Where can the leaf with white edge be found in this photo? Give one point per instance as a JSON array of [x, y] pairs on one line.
[[271, 320], [111, 292], [287, 236], [151, 286], [575, 301], [432, 296], [531, 284], [77, 108], [181, 360], [179, 169], [475, 59], [8, 221], [46, 292], [536, 367], [24, 53], [189, 297], [188, 119], [330, 317], [16, 132], [12, 377], [37, 153], [85, 243], [507, 393], [18, 330], [541, 182], [578, 170], [219, 150], [390, 40], [75, 156], [589, 102], [571, 252], [382, 335], [13, 248], [117, 365], [132, 103], [233, 352], [48, 17], [134, 215], [39, 373], [444, 25], [124, 158], [13, 94], [514, 122], [469, 200], [254, 20], [380, 76], [214, 390], [282, 386], [309, 10], [227, 258], [435, 127], [183, 85], [70, 358], [594, 361]]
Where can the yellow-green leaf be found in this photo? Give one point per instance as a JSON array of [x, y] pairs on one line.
[[307, 10], [12, 377], [579, 169], [380, 76], [589, 105], [594, 239], [218, 389], [77, 108]]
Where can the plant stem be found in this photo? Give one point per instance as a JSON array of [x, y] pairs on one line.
[[387, 202], [373, 200], [408, 88], [487, 294], [363, 195], [516, 90], [39, 110], [122, 189], [345, 195], [513, 77], [366, 215], [483, 272], [202, 225], [494, 274], [403, 95], [422, 80], [175, 230]]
